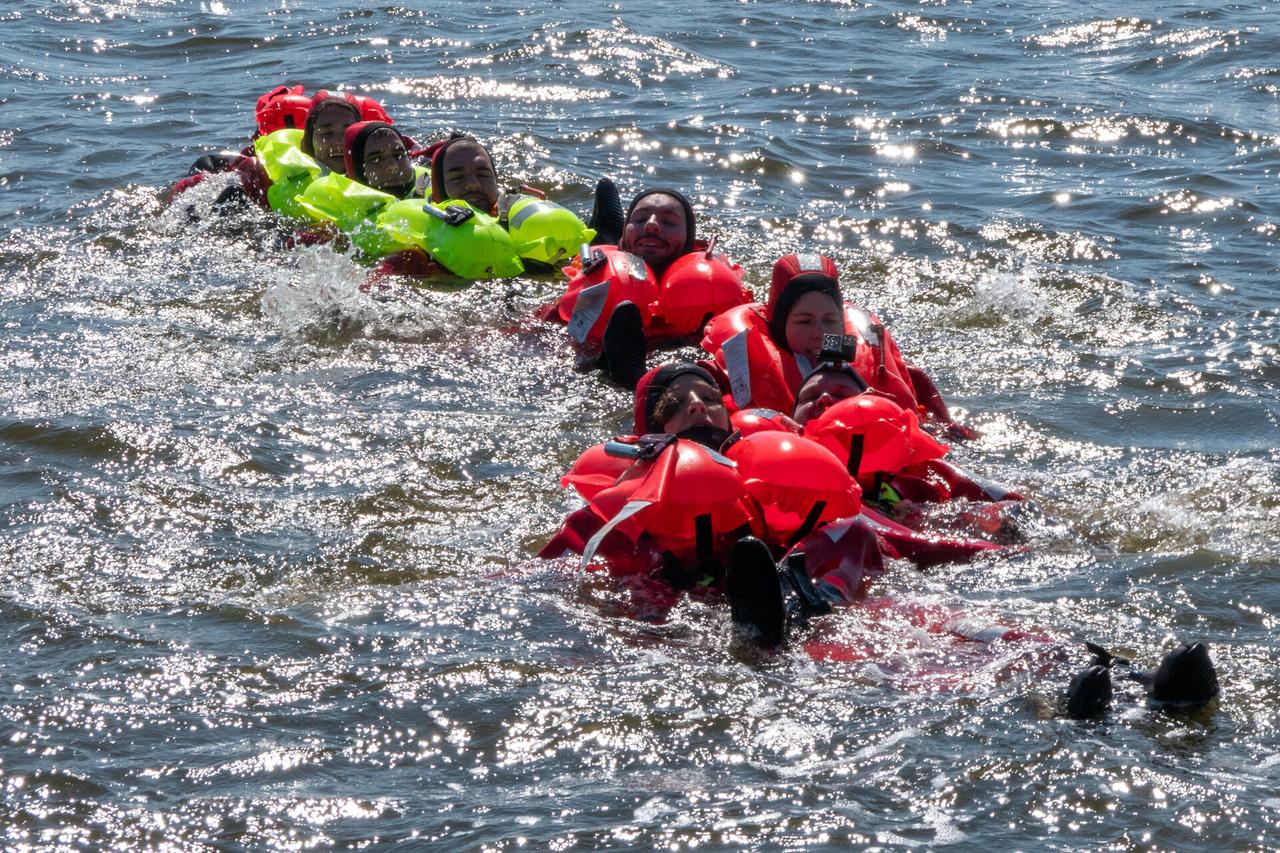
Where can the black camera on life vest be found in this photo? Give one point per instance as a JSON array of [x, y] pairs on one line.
[[838, 348]]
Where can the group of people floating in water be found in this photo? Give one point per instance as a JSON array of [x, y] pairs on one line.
[[783, 468]]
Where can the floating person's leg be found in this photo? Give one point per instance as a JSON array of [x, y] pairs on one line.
[[1185, 677], [755, 596], [608, 217], [625, 346]]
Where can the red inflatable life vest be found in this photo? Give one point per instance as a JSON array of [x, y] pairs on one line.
[[689, 500], [594, 471], [873, 435], [798, 483], [608, 277], [369, 109], [283, 111], [695, 286], [763, 374], [760, 374], [280, 108], [751, 421]]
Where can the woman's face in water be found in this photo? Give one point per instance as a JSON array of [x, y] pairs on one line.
[[688, 402], [469, 175], [386, 162], [812, 316], [328, 137], [821, 392]]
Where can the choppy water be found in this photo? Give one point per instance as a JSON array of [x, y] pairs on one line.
[[266, 572]]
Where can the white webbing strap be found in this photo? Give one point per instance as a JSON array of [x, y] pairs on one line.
[[593, 543]]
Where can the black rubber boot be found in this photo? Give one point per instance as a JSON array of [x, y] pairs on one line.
[[624, 346], [215, 163], [1090, 691], [1186, 676], [806, 600], [755, 595], [608, 217], [1089, 694]]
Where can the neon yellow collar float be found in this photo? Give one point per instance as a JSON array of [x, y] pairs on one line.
[[467, 242], [549, 232]]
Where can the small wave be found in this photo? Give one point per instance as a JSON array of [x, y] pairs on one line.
[[999, 296], [321, 296]]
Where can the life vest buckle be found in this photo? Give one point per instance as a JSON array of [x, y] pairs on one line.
[[592, 259], [647, 446], [454, 215]]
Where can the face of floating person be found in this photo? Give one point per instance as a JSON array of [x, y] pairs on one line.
[[656, 231], [469, 175], [386, 162], [328, 136], [821, 392], [813, 315], [688, 402]]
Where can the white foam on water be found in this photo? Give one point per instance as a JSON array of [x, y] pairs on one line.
[[323, 289], [1007, 295], [944, 827]]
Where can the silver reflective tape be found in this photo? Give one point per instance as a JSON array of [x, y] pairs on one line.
[[716, 457], [530, 209], [586, 311], [636, 267], [810, 263], [593, 544], [738, 368]]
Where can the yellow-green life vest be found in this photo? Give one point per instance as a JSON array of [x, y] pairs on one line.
[[290, 170], [476, 248], [549, 232], [353, 208]]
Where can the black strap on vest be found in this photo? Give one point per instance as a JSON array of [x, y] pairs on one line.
[[810, 522], [702, 537], [855, 455]]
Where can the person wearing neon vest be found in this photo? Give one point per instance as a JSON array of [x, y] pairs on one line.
[[377, 155], [463, 170], [298, 138], [324, 134]]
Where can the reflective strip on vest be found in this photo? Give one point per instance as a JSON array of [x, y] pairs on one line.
[[836, 530], [990, 488], [864, 327], [738, 368], [810, 263], [586, 311], [636, 267], [530, 209], [593, 544], [717, 457]]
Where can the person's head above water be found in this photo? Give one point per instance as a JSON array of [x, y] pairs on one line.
[[804, 304], [659, 228], [462, 168], [323, 136], [827, 384], [376, 155], [284, 107], [678, 397]]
